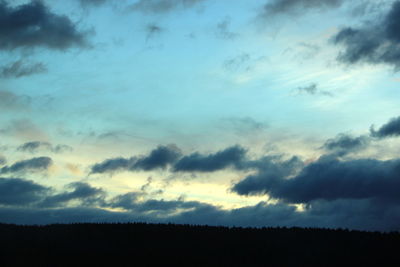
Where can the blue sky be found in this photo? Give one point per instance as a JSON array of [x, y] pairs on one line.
[[200, 111]]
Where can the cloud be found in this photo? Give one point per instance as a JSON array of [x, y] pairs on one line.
[[93, 2], [15, 191], [330, 179], [373, 44], [35, 146], [113, 165], [354, 214], [158, 158], [25, 202], [33, 25], [271, 172], [85, 193], [229, 157], [390, 129], [132, 202], [240, 61], [152, 30], [343, 144], [297, 6], [34, 164], [20, 69], [313, 89], [11, 101], [223, 31], [24, 128], [162, 6]]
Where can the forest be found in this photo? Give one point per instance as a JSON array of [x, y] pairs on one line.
[[141, 244]]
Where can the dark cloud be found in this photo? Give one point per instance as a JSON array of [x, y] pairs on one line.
[[223, 30], [271, 172], [85, 193], [343, 144], [196, 162], [354, 214], [36, 146], [21, 68], [15, 191], [113, 165], [34, 25], [390, 129], [330, 179], [158, 158], [374, 44], [20, 192], [163, 6], [297, 6], [132, 201], [34, 164], [126, 201], [24, 202], [313, 89]]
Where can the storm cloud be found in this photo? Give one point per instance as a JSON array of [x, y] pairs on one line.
[[229, 157], [335, 214], [83, 192], [112, 165], [271, 172], [344, 143], [158, 158], [390, 129], [34, 164], [330, 179], [25, 202], [374, 44], [33, 25], [15, 191]]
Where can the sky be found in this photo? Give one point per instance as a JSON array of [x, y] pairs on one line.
[[237, 113]]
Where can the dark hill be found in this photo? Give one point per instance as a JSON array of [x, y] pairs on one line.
[[172, 245]]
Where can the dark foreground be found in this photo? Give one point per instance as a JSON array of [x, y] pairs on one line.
[[173, 245]]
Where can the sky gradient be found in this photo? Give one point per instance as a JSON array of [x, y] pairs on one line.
[[245, 113]]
